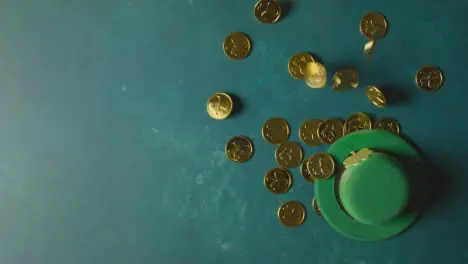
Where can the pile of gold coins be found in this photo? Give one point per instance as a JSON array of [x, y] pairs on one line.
[[303, 66]]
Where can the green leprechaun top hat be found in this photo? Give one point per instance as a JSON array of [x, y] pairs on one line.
[[369, 198]]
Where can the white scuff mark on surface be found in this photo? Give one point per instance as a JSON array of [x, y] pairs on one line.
[[123, 88], [155, 130], [226, 246], [199, 179]]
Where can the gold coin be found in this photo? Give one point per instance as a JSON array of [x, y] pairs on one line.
[[308, 132], [388, 124], [289, 155], [330, 131], [358, 121], [291, 214], [376, 96], [306, 173], [298, 63], [275, 130], [219, 106], [237, 46], [345, 79], [429, 78], [321, 165], [369, 47], [316, 207], [278, 180], [373, 26], [267, 11], [239, 149], [315, 75]]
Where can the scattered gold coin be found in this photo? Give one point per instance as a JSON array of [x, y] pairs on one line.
[[237, 46], [357, 157], [429, 78], [267, 11], [330, 131], [388, 124], [239, 149], [289, 155], [369, 47], [321, 165], [277, 180], [308, 132], [315, 75], [219, 106], [306, 173], [345, 79], [291, 214], [298, 63], [373, 26], [358, 121], [376, 96], [316, 207], [275, 130]]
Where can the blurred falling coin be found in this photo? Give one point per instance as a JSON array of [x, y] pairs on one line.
[[237, 46], [308, 132], [298, 63], [369, 47], [291, 214], [388, 124], [376, 96], [321, 165], [315, 75], [277, 180], [275, 130], [330, 131], [429, 78], [345, 79], [267, 11], [289, 155], [358, 121], [239, 149], [316, 207], [219, 106]]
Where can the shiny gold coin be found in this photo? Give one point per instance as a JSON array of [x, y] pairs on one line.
[[275, 130], [306, 173], [388, 124], [267, 11], [429, 78], [277, 180], [321, 165], [219, 106], [239, 149], [373, 26], [369, 47], [345, 79], [237, 46], [316, 207], [308, 132], [376, 96], [315, 75], [298, 63], [330, 131], [358, 121], [289, 155], [292, 214]]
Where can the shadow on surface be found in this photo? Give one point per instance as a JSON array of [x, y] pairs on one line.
[[395, 95], [238, 105], [286, 8]]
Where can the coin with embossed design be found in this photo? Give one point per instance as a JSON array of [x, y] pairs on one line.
[[308, 132], [277, 180], [358, 121], [373, 26], [316, 207], [267, 11], [289, 155], [389, 124], [330, 131], [292, 214], [275, 130], [239, 149], [237, 46], [376, 96], [321, 165], [219, 106], [298, 64], [429, 78], [306, 173]]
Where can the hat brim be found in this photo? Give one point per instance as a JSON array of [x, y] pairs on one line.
[[378, 140]]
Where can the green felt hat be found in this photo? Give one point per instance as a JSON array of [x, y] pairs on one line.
[[370, 199]]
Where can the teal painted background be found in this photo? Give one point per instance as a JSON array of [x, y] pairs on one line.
[[107, 154]]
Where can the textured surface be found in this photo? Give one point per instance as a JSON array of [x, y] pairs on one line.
[[108, 155]]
